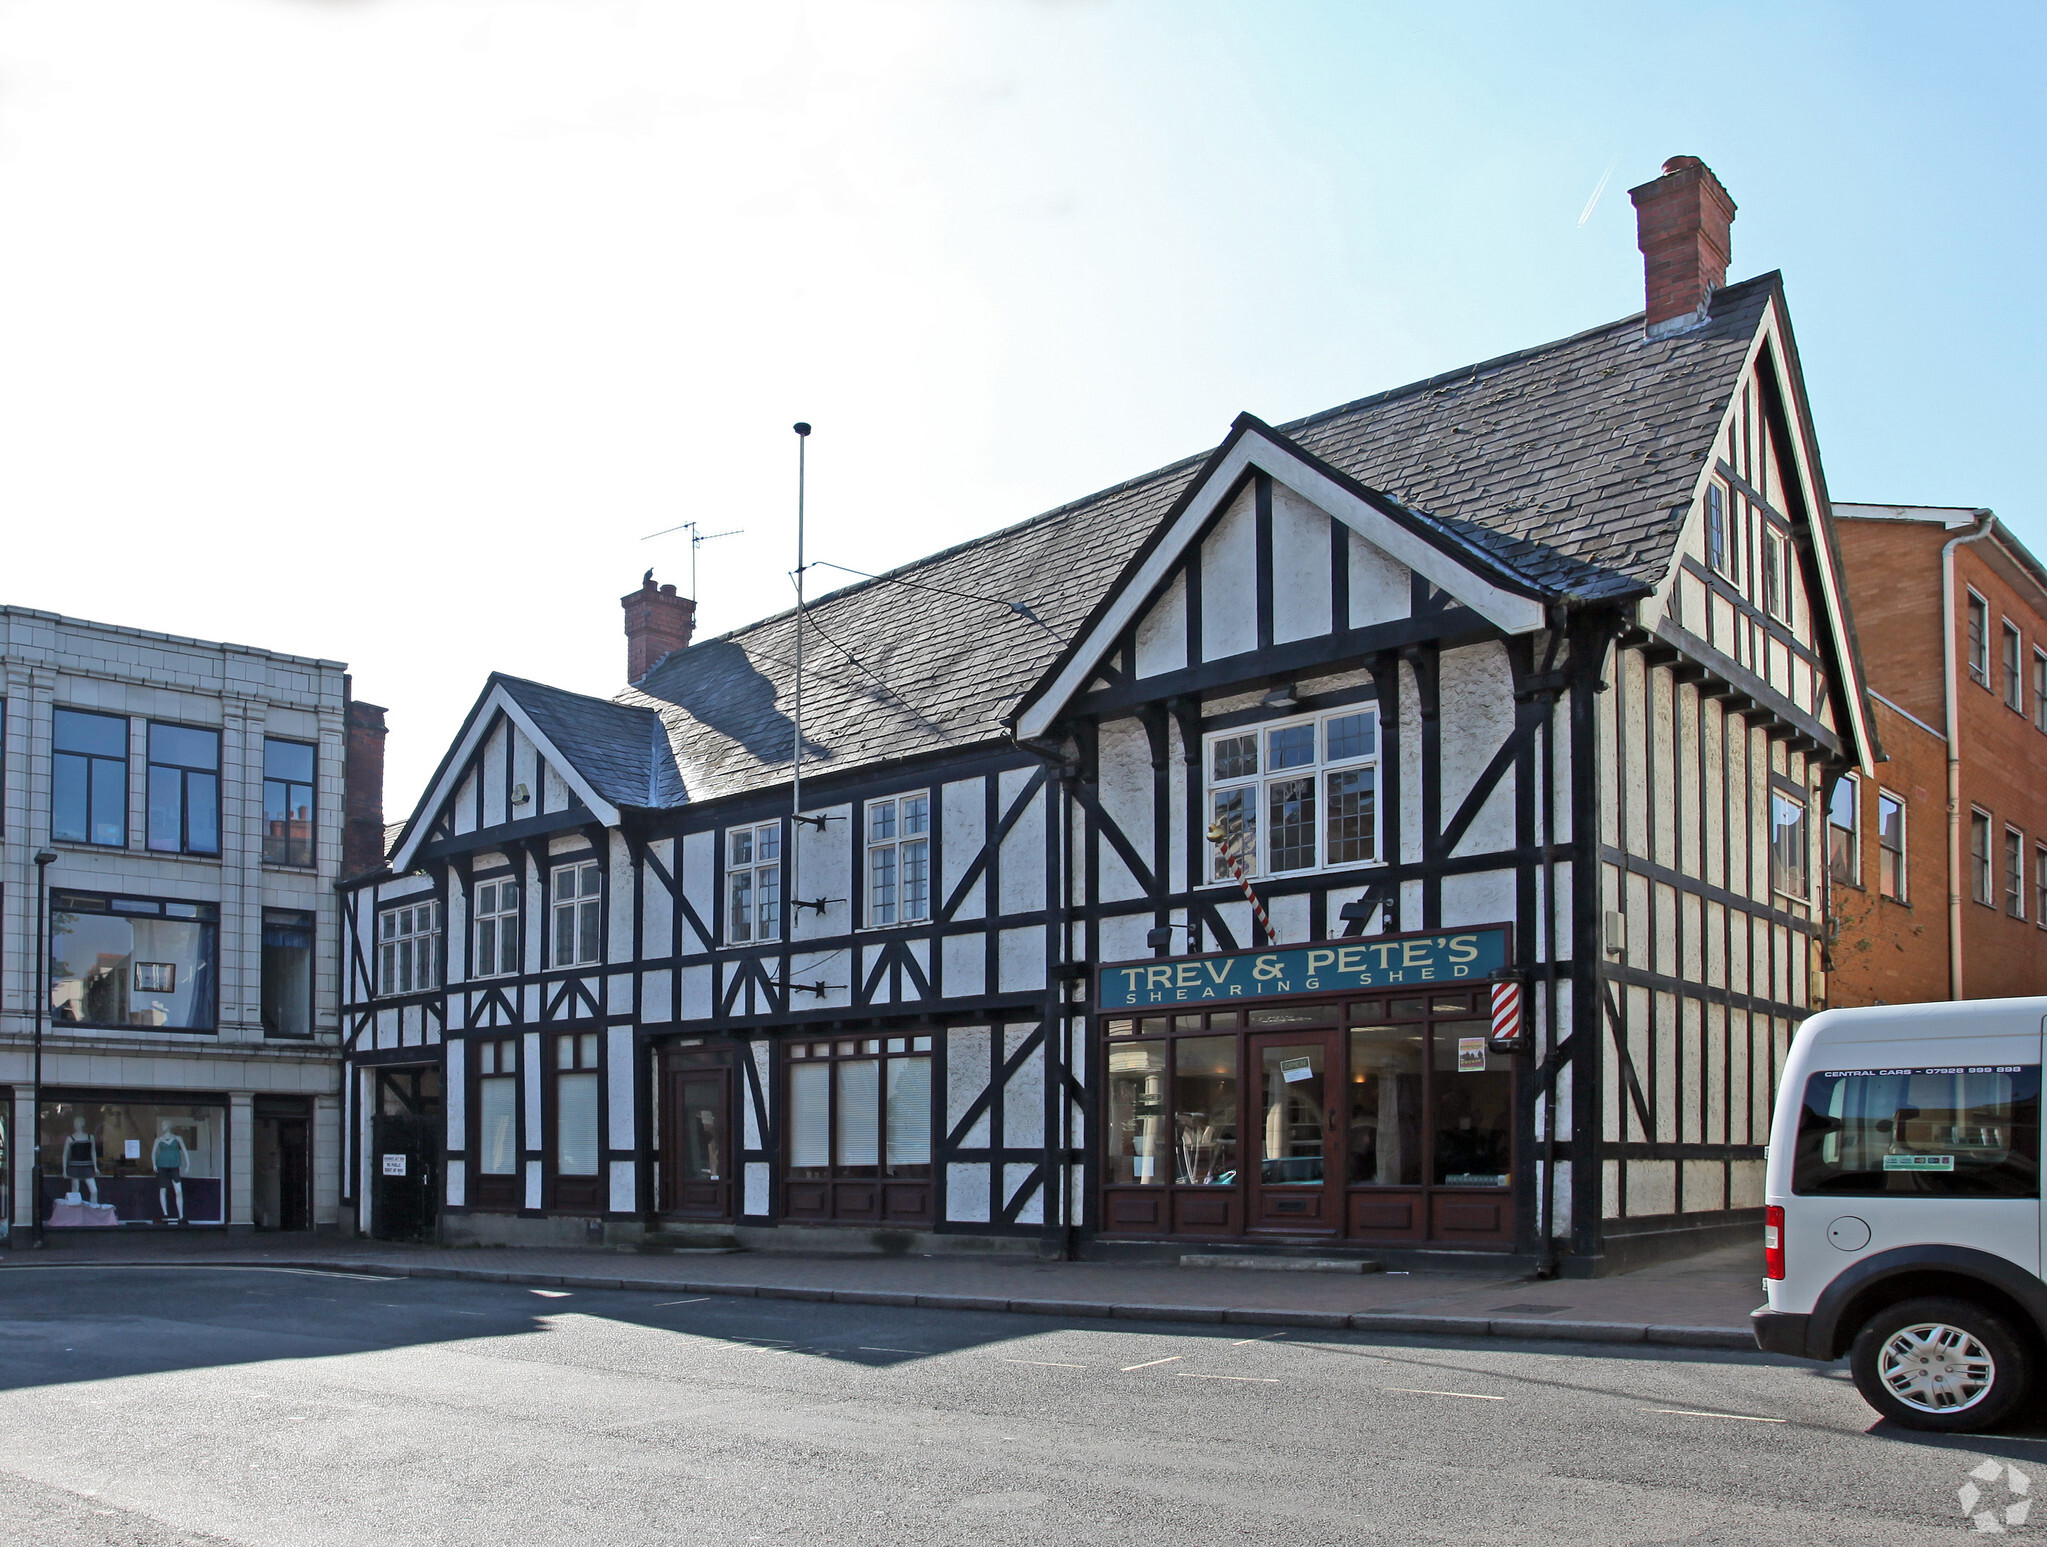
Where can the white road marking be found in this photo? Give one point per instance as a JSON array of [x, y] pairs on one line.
[[550, 1294], [1169, 1359], [1270, 1380], [1686, 1412], [1267, 1338], [699, 1300], [1050, 1364], [868, 1348], [1423, 1391]]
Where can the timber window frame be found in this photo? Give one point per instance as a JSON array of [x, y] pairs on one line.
[[494, 927], [1976, 634], [2014, 873], [753, 883], [1791, 844], [1297, 796], [576, 1146], [495, 1148], [2040, 884], [1892, 878], [896, 859], [2014, 684], [575, 933], [2039, 688], [1844, 837], [408, 948], [843, 1125], [88, 778], [1722, 555], [1776, 573], [1979, 857]]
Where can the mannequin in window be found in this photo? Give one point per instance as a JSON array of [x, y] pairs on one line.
[[170, 1157], [82, 1161]]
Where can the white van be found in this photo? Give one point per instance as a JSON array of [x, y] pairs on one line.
[[1902, 1206]]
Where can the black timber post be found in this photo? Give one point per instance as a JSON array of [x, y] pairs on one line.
[[1590, 637]]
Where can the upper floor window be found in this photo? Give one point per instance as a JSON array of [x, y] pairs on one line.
[[133, 961], [409, 948], [577, 915], [89, 778], [1844, 832], [287, 988], [1890, 845], [2014, 685], [753, 882], [899, 859], [1979, 638], [184, 789], [1719, 552], [1979, 856], [1788, 846], [496, 911], [2040, 886], [2014, 872], [287, 802], [1776, 573], [1300, 795], [2040, 689]]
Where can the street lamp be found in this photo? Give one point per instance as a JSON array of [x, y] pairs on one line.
[[44, 860]]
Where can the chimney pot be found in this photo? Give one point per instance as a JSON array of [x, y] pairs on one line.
[[657, 621], [1682, 222]]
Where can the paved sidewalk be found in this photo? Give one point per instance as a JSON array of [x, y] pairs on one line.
[[1699, 1302]]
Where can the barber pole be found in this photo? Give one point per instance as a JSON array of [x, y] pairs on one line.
[[1220, 839], [1506, 1013]]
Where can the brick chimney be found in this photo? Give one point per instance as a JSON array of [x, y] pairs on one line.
[[656, 622], [1681, 223], [362, 781]]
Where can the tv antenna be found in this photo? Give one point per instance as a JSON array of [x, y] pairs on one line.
[[696, 540]]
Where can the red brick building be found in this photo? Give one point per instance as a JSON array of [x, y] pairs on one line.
[[1938, 866]]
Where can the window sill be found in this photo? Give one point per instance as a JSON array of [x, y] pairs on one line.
[[1895, 902], [161, 1031], [179, 854], [296, 870]]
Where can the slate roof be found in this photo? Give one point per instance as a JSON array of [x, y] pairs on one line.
[[1572, 463]]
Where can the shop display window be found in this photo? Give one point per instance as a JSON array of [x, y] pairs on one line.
[[132, 962], [108, 1163]]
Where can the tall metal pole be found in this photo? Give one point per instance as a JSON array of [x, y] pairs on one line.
[[796, 750], [44, 860]]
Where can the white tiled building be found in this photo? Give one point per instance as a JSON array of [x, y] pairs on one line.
[[188, 801]]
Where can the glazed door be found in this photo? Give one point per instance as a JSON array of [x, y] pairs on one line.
[[697, 1155], [1291, 1141]]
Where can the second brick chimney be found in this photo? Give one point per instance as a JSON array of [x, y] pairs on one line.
[[362, 779], [1681, 224], [656, 622]]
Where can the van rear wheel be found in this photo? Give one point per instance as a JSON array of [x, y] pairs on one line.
[[1946, 1365]]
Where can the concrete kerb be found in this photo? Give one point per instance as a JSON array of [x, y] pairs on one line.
[[1258, 1316]]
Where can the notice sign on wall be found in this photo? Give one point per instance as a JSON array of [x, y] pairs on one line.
[[394, 1165], [1435, 957]]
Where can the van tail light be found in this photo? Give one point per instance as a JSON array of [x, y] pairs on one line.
[[1773, 1242]]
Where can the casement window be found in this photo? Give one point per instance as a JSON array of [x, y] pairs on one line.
[[1890, 845], [1979, 638], [1295, 796], [287, 987], [1788, 872], [89, 778], [899, 859], [575, 936], [184, 789], [409, 948], [2040, 885], [1776, 573], [753, 883], [134, 962], [860, 1107], [2014, 873], [575, 1104], [1979, 857], [1844, 832], [497, 1106], [1720, 553], [2014, 685], [494, 905], [2040, 689], [288, 802]]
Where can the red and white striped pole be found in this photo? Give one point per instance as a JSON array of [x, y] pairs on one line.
[[1220, 839], [1506, 1013]]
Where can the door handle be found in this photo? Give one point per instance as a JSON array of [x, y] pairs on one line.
[[1332, 1119]]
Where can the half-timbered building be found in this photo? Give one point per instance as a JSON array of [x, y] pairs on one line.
[[1166, 869]]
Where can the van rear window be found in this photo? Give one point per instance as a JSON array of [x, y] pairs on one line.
[[1928, 1133]]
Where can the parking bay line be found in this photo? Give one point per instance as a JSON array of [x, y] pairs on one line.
[[1423, 1391], [1050, 1364], [1270, 1380], [1686, 1412], [1169, 1359], [699, 1300]]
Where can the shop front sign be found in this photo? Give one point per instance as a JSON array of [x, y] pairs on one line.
[[1428, 958]]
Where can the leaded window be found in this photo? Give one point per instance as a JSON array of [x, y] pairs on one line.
[[409, 948], [495, 907], [1295, 796], [576, 934], [753, 882], [899, 859]]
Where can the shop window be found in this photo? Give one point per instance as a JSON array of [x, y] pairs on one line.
[[2014, 873], [495, 905], [1474, 1100], [497, 1106], [288, 802], [409, 949], [89, 778], [1979, 857], [287, 973], [133, 962], [899, 859], [184, 789], [1844, 832], [859, 1112], [1788, 873], [1297, 796], [1385, 1138], [753, 883], [577, 933], [2014, 685], [117, 1162], [1890, 845], [1978, 615], [575, 1104]]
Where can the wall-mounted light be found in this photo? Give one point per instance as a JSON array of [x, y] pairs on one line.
[[1283, 698], [521, 796]]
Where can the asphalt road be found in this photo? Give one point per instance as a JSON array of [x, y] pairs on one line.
[[145, 1407]]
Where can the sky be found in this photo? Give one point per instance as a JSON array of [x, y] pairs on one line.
[[387, 330]]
